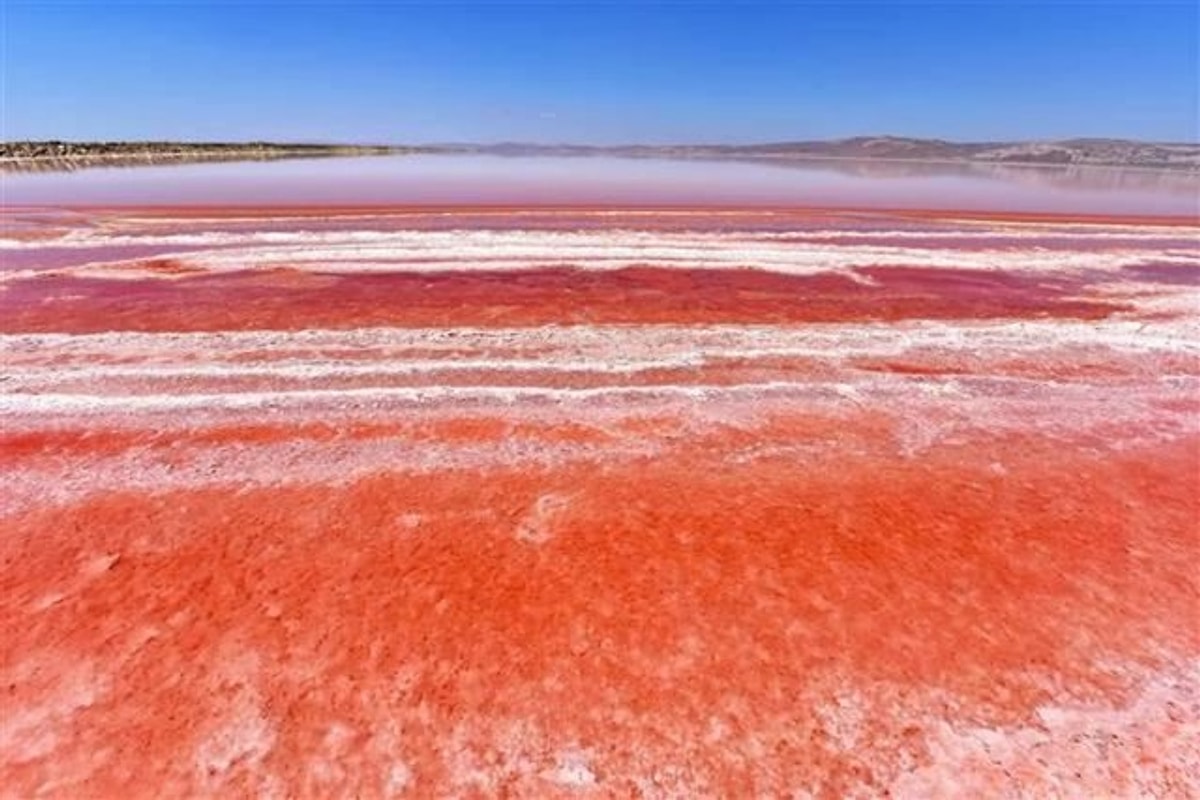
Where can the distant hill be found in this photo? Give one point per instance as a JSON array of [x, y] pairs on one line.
[[1098, 152]]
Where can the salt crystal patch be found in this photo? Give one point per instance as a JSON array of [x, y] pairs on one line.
[[573, 770], [537, 527]]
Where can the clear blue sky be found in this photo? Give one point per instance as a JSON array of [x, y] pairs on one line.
[[604, 73]]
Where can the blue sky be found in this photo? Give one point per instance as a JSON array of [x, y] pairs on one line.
[[602, 73]]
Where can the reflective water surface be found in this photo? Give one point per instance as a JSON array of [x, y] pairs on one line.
[[482, 179]]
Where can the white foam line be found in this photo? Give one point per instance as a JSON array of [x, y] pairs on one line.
[[26, 376], [474, 250], [19, 404], [1192, 228], [791, 258], [22, 404], [613, 344], [626, 237], [322, 369]]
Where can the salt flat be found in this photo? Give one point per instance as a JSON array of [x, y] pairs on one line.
[[551, 501]]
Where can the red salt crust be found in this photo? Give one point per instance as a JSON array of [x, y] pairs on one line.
[[92, 440], [292, 300], [659, 597], [687, 623]]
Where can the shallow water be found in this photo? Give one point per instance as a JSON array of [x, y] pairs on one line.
[[471, 179]]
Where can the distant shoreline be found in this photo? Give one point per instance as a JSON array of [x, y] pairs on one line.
[[32, 149], [54, 156]]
